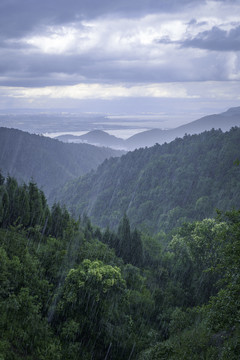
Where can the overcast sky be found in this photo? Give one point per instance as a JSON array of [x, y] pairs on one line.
[[125, 56]]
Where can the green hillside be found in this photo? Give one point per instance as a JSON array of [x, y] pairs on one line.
[[163, 186], [49, 162]]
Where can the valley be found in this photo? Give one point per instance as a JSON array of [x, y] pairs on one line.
[[109, 254]]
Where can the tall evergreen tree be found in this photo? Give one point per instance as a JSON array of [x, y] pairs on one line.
[[35, 202], [23, 205], [56, 220], [5, 209], [136, 248], [12, 190], [124, 236], [2, 179]]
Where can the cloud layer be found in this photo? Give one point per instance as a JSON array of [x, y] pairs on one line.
[[106, 49]]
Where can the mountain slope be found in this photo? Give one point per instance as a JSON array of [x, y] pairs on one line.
[[49, 162], [102, 138], [162, 186], [224, 121]]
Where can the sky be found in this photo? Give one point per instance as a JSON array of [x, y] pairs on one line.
[[166, 57]]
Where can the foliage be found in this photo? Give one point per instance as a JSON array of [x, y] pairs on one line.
[[69, 290], [50, 162], [161, 187]]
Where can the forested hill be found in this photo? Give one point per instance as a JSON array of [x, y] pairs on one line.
[[163, 186], [70, 291], [49, 162]]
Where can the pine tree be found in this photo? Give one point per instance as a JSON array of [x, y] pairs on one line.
[[5, 209], [136, 248], [12, 191], [2, 179], [124, 236], [56, 220], [23, 206], [35, 201]]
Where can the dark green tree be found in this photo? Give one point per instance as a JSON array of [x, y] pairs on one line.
[[56, 228], [136, 248], [35, 202], [2, 179], [124, 236]]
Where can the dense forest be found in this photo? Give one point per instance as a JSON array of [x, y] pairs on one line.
[[49, 162], [161, 187], [70, 290]]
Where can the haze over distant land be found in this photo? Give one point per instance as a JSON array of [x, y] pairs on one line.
[[224, 121], [125, 132], [163, 57]]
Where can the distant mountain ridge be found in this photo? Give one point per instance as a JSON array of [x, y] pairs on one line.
[[49, 162], [223, 121], [97, 138]]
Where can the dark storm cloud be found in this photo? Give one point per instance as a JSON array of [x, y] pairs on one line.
[[20, 17], [216, 39]]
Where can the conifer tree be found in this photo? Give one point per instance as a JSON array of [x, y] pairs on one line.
[[35, 202], [124, 235], [2, 179], [23, 206], [5, 209], [136, 248], [56, 220]]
